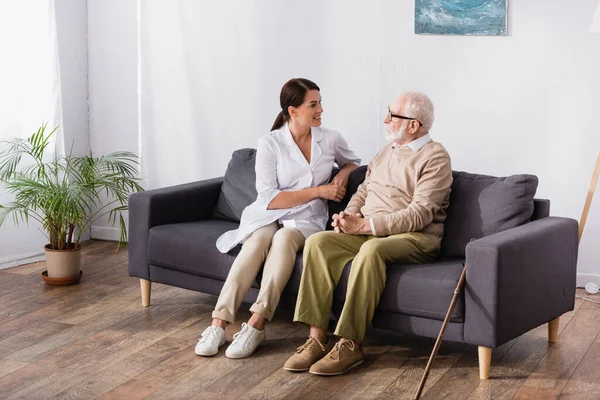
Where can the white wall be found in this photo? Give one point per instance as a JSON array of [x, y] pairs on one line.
[[211, 74]]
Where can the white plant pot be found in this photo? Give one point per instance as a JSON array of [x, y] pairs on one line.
[[63, 263]]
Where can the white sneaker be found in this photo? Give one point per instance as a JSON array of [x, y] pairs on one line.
[[245, 342], [211, 339]]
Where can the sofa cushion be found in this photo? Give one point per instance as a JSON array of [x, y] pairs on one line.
[[239, 186], [294, 282], [190, 247], [423, 290], [482, 205], [356, 178]]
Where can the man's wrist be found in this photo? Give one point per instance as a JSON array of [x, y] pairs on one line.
[[366, 226], [342, 174]]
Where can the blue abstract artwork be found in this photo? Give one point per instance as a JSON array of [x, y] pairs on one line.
[[460, 17]]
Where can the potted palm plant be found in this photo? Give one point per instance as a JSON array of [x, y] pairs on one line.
[[64, 194]]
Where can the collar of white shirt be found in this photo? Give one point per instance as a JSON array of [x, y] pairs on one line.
[[317, 135], [415, 145]]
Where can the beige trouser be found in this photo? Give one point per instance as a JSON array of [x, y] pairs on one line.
[[325, 256], [276, 248]]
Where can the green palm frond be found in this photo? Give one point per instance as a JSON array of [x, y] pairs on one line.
[[65, 194]]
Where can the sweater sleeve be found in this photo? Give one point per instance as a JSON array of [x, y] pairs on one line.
[[431, 190]]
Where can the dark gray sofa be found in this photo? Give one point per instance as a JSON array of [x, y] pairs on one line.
[[520, 269]]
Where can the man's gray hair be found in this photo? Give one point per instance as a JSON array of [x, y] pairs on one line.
[[419, 106]]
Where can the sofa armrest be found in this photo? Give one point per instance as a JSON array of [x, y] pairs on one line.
[[519, 279], [182, 203]]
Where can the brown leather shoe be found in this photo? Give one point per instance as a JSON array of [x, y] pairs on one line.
[[307, 354], [343, 357]]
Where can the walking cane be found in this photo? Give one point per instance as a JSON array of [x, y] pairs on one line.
[[438, 342]]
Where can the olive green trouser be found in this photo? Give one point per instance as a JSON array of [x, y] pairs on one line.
[[326, 254]]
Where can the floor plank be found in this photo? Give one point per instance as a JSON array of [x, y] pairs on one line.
[[157, 376], [102, 360], [90, 288], [585, 381], [31, 336], [563, 357], [41, 368], [88, 329], [7, 276], [8, 366], [121, 372]]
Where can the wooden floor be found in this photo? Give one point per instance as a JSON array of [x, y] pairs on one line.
[[94, 340]]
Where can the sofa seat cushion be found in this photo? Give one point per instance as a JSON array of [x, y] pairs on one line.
[[422, 290], [293, 284], [191, 247]]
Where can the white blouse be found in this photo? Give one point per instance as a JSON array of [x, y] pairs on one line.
[[280, 167]]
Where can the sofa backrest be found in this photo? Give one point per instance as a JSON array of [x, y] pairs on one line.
[[480, 205]]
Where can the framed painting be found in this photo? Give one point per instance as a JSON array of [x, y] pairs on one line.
[[461, 17]]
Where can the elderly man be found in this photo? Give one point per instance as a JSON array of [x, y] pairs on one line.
[[396, 215]]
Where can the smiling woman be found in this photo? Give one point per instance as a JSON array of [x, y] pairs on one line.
[[30, 95]]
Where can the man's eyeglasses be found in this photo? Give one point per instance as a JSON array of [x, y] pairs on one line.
[[401, 117]]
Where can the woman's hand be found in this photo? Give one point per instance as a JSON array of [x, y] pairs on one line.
[[332, 192]]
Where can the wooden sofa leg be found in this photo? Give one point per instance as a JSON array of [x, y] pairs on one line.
[[146, 286], [553, 330], [485, 362]]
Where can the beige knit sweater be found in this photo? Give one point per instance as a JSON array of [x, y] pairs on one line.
[[406, 191]]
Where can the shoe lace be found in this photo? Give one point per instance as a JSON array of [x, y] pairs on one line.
[[309, 343], [209, 334], [337, 349], [242, 336]]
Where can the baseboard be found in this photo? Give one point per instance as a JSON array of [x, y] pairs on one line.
[[105, 233], [582, 279], [28, 260]]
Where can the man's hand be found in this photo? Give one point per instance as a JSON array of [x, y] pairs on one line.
[[351, 224], [341, 179], [332, 192]]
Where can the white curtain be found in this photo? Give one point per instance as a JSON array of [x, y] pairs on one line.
[[29, 96], [211, 73]]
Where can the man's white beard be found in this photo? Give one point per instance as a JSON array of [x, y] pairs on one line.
[[392, 136]]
